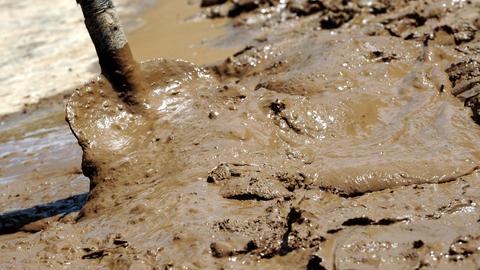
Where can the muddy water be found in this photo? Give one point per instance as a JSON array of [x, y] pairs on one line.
[[176, 30], [333, 148], [40, 172], [37, 34]]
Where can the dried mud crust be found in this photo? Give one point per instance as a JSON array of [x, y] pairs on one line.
[[333, 141]]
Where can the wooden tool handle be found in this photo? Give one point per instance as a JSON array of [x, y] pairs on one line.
[[113, 51]]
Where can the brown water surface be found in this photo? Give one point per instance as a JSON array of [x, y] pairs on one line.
[[176, 30]]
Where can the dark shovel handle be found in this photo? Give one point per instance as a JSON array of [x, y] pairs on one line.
[[113, 51]]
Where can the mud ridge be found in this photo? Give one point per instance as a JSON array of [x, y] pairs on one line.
[[337, 139]]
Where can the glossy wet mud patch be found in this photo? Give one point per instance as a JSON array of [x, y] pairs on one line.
[[40, 176], [260, 136], [254, 153], [309, 149], [267, 141]]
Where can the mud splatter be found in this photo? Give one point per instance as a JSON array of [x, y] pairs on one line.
[[312, 148]]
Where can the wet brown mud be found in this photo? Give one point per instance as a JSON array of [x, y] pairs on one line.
[[50, 169], [338, 140], [177, 30], [40, 176]]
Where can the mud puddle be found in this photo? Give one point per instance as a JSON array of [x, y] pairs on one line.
[[338, 139], [177, 30], [53, 35], [40, 176], [33, 37]]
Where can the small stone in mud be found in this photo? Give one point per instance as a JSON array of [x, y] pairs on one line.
[[277, 106], [334, 20], [315, 263], [221, 249], [120, 242], [418, 244], [221, 172], [207, 3], [242, 6], [95, 255], [305, 8], [464, 33], [213, 115]]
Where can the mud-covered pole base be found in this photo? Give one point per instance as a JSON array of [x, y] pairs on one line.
[[114, 54]]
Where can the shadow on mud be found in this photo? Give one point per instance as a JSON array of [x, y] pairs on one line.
[[14, 221]]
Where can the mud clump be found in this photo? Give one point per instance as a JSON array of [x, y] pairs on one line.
[[305, 8], [246, 183], [207, 3], [334, 145], [465, 77]]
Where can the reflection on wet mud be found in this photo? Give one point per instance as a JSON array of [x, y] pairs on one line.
[[333, 141]]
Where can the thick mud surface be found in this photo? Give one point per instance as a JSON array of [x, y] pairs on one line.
[[178, 30], [338, 139]]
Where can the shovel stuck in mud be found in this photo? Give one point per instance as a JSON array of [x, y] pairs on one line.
[[126, 85], [268, 165], [166, 123], [108, 115], [122, 120], [114, 54]]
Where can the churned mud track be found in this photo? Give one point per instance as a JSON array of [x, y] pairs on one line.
[[337, 139]]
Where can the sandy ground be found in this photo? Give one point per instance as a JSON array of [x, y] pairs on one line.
[[178, 30]]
